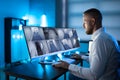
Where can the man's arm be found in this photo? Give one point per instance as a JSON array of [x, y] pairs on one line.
[[84, 57], [98, 58], [79, 57], [97, 64]]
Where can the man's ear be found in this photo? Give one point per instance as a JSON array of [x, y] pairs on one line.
[[92, 21]]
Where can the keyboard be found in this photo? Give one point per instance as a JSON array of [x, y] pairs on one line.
[[57, 62], [46, 63], [68, 60]]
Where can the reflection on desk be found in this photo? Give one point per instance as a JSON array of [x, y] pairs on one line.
[[35, 71]]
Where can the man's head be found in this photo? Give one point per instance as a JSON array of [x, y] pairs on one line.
[[92, 20]]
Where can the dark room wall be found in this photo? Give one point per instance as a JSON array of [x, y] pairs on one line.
[[40, 7], [109, 8], [10, 8]]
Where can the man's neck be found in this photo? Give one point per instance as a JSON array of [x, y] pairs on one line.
[[96, 27]]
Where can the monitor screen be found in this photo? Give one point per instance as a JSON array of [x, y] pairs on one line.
[[48, 41]]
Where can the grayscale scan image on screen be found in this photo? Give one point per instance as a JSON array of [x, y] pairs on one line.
[[48, 41]]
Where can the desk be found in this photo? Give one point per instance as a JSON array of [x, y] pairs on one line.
[[35, 71]]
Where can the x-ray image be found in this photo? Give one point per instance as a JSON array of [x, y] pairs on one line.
[[59, 45], [39, 46], [50, 33], [32, 49], [52, 45], [45, 41], [60, 33], [28, 33], [67, 33], [70, 32], [44, 46], [37, 33], [67, 44], [75, 42], [74, 33]]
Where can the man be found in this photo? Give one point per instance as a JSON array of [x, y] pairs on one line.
[[104, 52]]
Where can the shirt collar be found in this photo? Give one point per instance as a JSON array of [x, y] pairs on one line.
[[97, 32]]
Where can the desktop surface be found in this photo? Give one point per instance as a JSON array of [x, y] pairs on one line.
[[35, 71]]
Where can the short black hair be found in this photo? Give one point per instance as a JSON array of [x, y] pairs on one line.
[[95, 13]]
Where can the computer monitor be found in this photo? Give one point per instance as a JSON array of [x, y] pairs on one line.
[[42, 42]]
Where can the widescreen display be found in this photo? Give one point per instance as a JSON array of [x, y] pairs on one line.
[[42, 41]]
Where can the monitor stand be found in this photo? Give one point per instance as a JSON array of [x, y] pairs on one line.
[[43, 61]]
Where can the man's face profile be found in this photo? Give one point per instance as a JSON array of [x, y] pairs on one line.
[[87, 24]]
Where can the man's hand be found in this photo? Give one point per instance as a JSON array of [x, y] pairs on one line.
[[76, 56], [62, 64]]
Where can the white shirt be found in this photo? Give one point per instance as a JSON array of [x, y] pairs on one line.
[[102, 58]]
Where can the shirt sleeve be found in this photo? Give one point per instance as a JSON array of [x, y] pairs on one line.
[[81, 72], [85, 58], [97, 62]]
